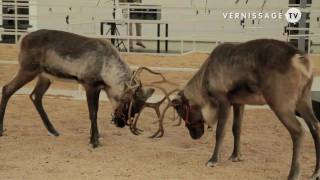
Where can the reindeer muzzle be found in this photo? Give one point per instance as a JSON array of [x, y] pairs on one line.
[[119, 121], [196, 130]]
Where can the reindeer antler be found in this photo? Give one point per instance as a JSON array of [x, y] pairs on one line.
[[160, 131], [134, 83], [176, 117], [153, 105], [156, 107], [164, 79]]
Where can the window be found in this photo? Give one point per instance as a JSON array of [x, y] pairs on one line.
[[298, 1]]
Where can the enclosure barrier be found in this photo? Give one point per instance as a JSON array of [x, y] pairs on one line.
[[180, 39]]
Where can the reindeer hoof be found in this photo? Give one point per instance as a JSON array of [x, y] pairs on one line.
[[234, 158], [211, 163], [95, 144], [53, 133], [1, 132]]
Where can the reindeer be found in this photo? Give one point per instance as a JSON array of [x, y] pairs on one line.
[[94, 63], [257, 72]]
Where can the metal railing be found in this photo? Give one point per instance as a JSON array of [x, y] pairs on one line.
[[193, 39]]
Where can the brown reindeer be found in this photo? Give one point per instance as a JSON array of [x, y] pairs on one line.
[[257, 72], [94, 63]]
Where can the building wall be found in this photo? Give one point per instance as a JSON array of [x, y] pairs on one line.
[[85, 16]]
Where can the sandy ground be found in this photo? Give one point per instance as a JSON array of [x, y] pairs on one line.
[[27, 152]]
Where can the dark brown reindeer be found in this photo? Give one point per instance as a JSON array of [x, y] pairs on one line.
[[94, 63], [256, 72]]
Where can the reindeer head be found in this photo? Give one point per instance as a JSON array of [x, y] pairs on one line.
[[134, 100], [191, 114], [130, 104]]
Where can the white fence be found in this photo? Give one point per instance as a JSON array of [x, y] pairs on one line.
[[190, 25]]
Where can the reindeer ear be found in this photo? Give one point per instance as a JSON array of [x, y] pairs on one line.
[[145, 93]]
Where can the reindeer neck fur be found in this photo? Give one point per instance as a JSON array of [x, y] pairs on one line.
[[116, 74], [193, 91]]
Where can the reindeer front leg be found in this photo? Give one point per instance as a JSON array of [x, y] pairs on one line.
[[93, 106], [223, 111], [36, 97], [238, 110]]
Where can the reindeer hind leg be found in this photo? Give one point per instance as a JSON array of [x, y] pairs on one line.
[[306, 112], [36, 97], [22, 78], [304, 108], [295, 129]]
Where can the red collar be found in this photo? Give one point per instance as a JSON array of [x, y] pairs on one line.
[[187, 108]]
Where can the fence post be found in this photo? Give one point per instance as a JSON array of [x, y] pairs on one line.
[[302, 24], [15, 21]]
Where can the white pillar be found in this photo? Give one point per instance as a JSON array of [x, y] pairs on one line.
[[302, 24], [33, 12]]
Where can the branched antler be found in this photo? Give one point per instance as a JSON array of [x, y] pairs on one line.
[[175, 118], [164, 79], [152, 105], [135, 82], [156, 106], [159, 133]]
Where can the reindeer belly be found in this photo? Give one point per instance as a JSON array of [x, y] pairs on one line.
[[251, 99], [57, 67], [247, 93], [54, 77]]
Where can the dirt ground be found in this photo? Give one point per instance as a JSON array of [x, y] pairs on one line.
[[27, 152]]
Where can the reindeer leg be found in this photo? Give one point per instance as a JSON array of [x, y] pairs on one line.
[[295, 129], [93, 106], [22, 78], [284, 104], [223, 111], [236, 130], [304, 107], [36, 97]]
